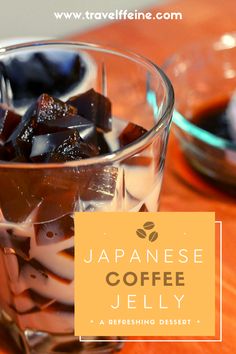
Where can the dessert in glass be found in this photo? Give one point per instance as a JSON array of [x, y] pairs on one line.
[[64, 151]]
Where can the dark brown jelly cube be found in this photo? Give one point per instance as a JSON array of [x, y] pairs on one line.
[[50, 108], [131, 133], [45, 109], [54, 231], [19, 142], [86, 129], [59, 189], [16, 198], [56, 205], [62, 146], [94, 107], [8, 123], [76, 153]]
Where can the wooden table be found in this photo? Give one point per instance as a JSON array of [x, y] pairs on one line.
[[183, 189]]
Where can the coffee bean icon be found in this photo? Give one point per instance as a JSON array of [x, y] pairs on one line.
[[153, 236], [141, 233], [149, 225]]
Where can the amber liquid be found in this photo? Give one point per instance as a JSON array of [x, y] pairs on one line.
[[214, 120]]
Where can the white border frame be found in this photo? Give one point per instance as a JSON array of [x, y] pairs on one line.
[[178, 340]]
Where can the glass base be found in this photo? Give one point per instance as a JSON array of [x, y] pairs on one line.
[[34, 342]]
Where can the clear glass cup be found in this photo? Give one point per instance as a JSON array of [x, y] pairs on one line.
[[38, 200]]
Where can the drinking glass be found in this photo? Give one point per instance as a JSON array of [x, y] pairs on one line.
[[38, 200]]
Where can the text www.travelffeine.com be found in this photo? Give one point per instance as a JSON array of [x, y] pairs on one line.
[[118, 15]]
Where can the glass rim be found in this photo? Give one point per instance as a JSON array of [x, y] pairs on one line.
[[120, 154]]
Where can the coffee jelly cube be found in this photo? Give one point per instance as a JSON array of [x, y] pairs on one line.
[[16, 198], [131, 133], [86, 128], [50, 108], [62, 146], [94, 107], [19, 142], [8, 123]]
